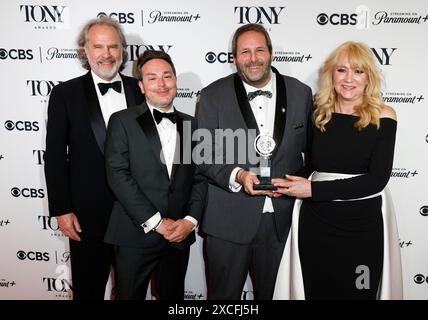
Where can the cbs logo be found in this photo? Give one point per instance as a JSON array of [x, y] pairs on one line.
[[424, 211], [337, 19], [120, 17], [16, 54], [33, 256], [27, 192], [21, 125], [420, 278], [222, 57]]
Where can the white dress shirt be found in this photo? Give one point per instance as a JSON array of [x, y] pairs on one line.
[[112, 101], [168, 136], [264, 112]]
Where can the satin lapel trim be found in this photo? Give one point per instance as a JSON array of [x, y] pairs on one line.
[[178, 153], [148, 126], [280, 110], [129, 93], [94, 110], [244, 105]]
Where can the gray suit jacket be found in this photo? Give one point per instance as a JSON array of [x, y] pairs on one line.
[[139, 179], [223, 104]]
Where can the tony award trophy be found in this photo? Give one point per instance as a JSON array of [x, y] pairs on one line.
[[264, 146]]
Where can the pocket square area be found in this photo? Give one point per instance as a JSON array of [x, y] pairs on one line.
[[297, 126]]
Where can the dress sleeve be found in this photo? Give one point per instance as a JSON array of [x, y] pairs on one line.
[[308, 168], [373, 181]]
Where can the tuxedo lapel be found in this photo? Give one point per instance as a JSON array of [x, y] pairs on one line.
[[280, 110], [280, 107], [244, 105], [178, 153], [147, 124], [95, 115], [129, 93]]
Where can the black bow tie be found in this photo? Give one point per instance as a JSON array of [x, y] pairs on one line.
[[172, 116], [105, 86], [252, 95]]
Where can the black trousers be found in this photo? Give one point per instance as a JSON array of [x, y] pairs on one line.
[[229, 263], [136, 266], [91, 262]]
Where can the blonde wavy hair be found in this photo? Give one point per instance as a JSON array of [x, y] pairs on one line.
[[360, 57]]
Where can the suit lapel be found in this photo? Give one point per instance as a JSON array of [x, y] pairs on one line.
[[244, 105], [95, 115], [129, 93], [178, 153], [280, 107], [280, 110], [147, 124]]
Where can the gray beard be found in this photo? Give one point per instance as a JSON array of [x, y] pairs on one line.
[[106, 74]]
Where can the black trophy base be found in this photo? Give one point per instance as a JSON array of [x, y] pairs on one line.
[[264, 186]]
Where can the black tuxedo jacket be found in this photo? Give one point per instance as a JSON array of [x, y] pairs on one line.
[[140, 181], [74, 157]]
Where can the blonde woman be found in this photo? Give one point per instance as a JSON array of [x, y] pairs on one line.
[[344, 238]]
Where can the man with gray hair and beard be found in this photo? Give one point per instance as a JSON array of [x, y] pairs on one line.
[[78, 112]]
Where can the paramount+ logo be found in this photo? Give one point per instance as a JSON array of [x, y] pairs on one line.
[[190, 295], [54, 53], [6, 284], [33, 255], [27, 192]]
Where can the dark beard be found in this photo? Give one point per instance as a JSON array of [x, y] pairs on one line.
[[262, 81]]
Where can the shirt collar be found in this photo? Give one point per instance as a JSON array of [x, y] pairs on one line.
[[151, 107], [269, 86], [99, 80]]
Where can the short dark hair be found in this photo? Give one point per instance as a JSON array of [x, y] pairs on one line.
[[148, 55], [83, 38], [247, 28]]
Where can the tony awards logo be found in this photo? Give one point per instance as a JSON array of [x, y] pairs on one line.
[[264, 146]]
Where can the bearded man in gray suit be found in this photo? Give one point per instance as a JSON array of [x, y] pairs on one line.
[[247, 228]]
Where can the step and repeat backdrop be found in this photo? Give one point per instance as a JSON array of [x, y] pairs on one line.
[[38, 51]]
